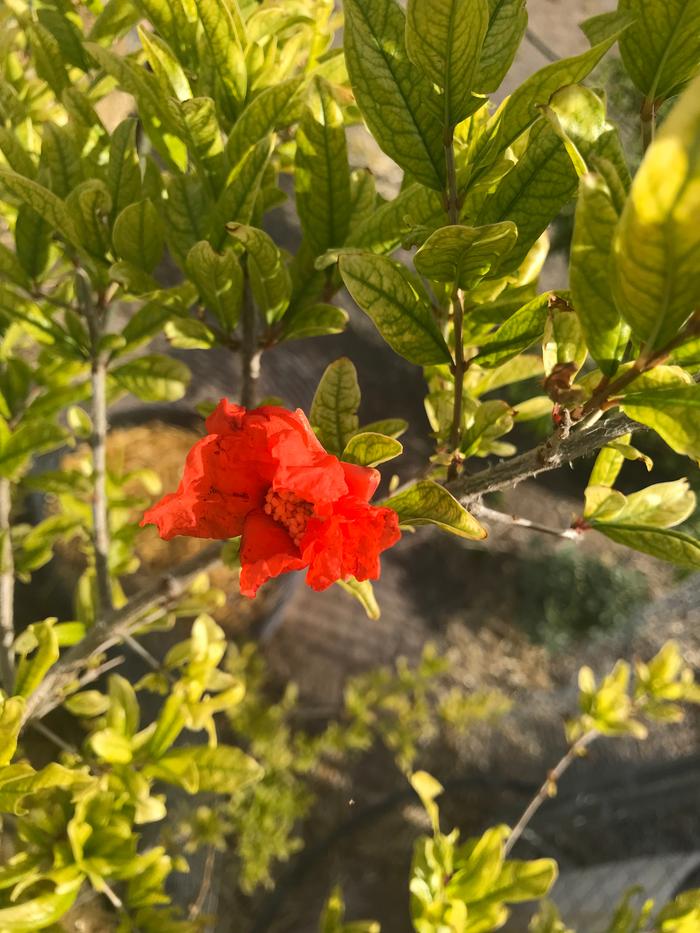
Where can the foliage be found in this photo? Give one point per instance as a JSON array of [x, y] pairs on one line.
[[123, 239]]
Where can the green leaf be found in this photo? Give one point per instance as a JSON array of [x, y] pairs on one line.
[[187, 209], [89, 206], [269, 276], [664, 543], [662, 505], [444, 38], [170, 723], [221, 770], [31, 439], [673, 411], [427, 503], [15, 153], [464, 255], [237, 201], [525, 881], [68, 37], [428, 789], [399, 104], [507, 25], [138, 235], [603, 503], [203, 135], [189, 334], [383, 231], [333, 412], [591, 248], [313, 321], [600, 27], [521, 108], [111, 746], [153, 378], [661, 48], [32, 668], [517, 333], [61, 156], [87, 704], [172, 21], [47, 59], [11, 268], [391, 427], [46, 204], [165, 65], [383, 290], [364, 594], [272, 109], [491, 420], [607, 465], [656, 255], [563, 344], [219, 281], [322, 174], [40, 912], [11, 712], [370, 449], [32, 240], [533, 192], [223, 53], [123, 172]]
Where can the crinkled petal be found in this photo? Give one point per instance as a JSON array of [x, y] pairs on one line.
[[225, 477], [266, 552], [348, 544], [362, 481], [225, 418]]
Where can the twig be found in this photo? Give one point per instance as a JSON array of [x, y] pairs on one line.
[[250, 354], [549, 786], [509, 473], [452, 203], [111, 629], [98, 445], [648, 119], [207, 876], [52, 737], [146, 656], [7, 589], [483, 511]]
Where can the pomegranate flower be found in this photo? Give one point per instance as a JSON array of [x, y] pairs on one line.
[[263, 474]]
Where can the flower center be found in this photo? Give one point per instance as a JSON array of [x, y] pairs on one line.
[[289, 510]]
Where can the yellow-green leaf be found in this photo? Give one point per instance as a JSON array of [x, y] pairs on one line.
[[370, 449], [333, 412], [428, 503], [656, 254], [383, 290], [464, 255]]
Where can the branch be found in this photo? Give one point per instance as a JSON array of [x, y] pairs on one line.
[[114, 626], [98, 443], [452, 204], [7, 590], [250, 354], [540, 459], [549, 787], [483, 511]]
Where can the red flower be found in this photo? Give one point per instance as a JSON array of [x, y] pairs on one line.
[[264, 475]]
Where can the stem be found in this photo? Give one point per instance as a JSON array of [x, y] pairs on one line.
[[7, 590], [509, 473], [648, 118], [452, 202], [483, 511], [100, 505], [94, 317], [250, 354], [548, 786]]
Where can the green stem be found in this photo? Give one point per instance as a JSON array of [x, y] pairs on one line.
[[648, 118]]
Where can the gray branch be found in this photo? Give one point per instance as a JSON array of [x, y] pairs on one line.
[[540, 459]]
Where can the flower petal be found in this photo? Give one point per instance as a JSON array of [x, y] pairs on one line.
[[348, 544], [362, 481], [225, 418], [224, 478], [266, 552]]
